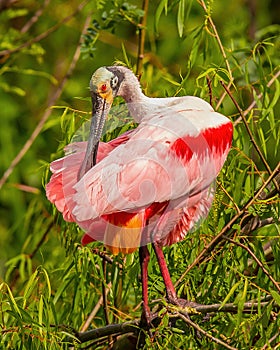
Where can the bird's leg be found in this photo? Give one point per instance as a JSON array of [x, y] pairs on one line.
[[170, 290], [144, 256]]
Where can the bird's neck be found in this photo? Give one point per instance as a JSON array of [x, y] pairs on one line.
[[134, 97]]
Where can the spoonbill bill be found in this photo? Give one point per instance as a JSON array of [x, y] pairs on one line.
[[149, 185]]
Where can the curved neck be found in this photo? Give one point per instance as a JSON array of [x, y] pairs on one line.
[[131, 92]]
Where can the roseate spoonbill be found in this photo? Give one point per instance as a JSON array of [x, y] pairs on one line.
[[149, 185]]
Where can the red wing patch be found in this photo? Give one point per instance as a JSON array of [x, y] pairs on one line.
[[216, 140]]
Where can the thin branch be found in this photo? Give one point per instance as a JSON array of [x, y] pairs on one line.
[[254, 223], [142, 34], [259, 96], [230, 307], [45, 34], [35, 17], [105, 292], [106, 257], [42, 240], [210, 246], [95, 310], [173, 312], [260, 264], [111, 329], [209, 19], [46, 114], [251, 136], [274, 337], [186, 319], [216, 35]]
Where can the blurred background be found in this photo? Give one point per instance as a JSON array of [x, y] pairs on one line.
[[48, 51]]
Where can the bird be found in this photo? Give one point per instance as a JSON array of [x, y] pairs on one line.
[[150, 185]]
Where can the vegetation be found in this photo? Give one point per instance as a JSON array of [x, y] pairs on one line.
[[51, 287]]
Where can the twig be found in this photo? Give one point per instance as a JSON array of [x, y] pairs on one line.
[[95, 310], [106, 257], [209, 19], [216, 35], [256, 260], [42, 240], [209, 90], [142, 34], [230, 307], [35, 17], [185, 318], [251, 136], [43, 35], [274, 337], [133, 326], [46, 114], [210, 246], [259, 96], [254, 223], [105, 292]]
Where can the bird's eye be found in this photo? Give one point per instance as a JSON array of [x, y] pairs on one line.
[[103, 87], [114, 82]]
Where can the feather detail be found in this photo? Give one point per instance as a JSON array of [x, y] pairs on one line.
[[124, 237]]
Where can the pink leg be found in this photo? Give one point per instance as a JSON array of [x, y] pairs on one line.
[[170, 290], [144, 256]]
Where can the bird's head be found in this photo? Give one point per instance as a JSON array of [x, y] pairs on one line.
[[105, 84]]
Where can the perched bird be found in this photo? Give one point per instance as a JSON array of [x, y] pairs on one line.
[[149, 185]]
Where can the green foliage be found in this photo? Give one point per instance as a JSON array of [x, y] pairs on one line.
[[49, 283]]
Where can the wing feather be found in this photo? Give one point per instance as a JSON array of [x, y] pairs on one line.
[[149, 167]]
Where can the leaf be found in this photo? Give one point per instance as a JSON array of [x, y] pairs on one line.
[[12, 89], [13, 301], [232, 290], [30, 286], [40, 313], [162, 5], [181, 18], [275, 296]]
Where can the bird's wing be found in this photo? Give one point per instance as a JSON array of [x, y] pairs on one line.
[[60, 189], [169, 156]]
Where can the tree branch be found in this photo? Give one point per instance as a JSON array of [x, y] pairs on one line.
[[251, 136], [142, 34], [47, 112], [217, 239], [186, 319], [260, 264], [174, 313], [43, 35]]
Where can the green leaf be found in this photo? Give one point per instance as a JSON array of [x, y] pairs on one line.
[[162, 5], [275, 296], [32, 282], [181, 18], [232, 290]]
